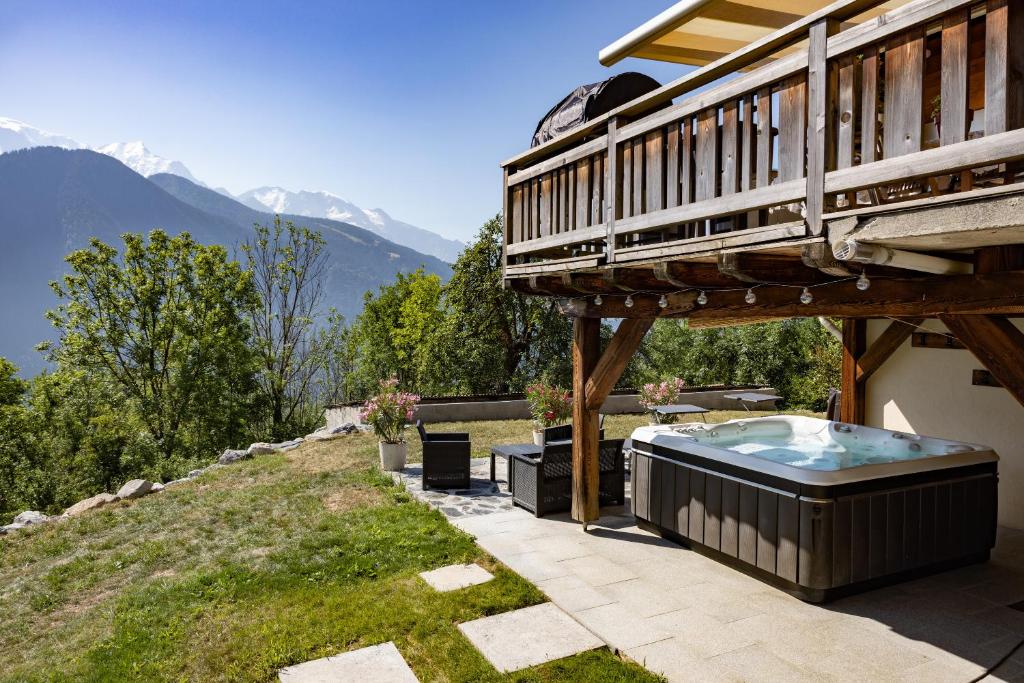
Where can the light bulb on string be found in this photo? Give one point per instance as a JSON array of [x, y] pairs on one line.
[[806, 297], [750, 297], [629, 301], [663, 302], [702, 298], [863, 282], [598, 300]]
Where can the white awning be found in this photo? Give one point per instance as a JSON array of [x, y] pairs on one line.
[[699, 32]]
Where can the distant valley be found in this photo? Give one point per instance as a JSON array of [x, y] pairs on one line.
[[52, 200]]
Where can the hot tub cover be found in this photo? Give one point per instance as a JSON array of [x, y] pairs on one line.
[[587, 102]]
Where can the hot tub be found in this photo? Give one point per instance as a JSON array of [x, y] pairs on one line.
[[817, 508]]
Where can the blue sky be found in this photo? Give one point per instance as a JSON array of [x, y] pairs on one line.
[[406, 106]]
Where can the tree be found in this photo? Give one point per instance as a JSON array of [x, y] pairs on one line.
[[288, 266], [166, 321], [12, 388], [393, 335], [495, 339]]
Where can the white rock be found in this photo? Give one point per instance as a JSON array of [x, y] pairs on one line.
[[157, 487], [285, 446], [231, 455], [136, 488], [90, 504], [175, 482], [31, 517], [194, 473], [10, 527], [260, 448]]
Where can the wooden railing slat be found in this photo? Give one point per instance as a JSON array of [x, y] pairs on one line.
[[672, 166], [792, 128], [954, 106], [545, 205], [686, 176], [626, 206], [1004, 64], [869, 106], [730, 147], [707, 155], [638, 176], [904, 76], [654, 171]]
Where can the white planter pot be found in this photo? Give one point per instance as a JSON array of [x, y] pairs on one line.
[[538, 437], [393, 456]]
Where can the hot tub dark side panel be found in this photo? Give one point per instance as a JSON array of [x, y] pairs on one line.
[[819, 544]]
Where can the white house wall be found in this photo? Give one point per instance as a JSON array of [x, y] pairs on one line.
[[929, 392]]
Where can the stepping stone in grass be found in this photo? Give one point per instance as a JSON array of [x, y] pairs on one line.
[[528, 637], [456, 576], [377, 664]]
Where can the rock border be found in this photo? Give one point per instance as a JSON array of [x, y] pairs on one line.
[[138, 488]]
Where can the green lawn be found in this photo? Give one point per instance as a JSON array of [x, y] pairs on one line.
[[256, 566]]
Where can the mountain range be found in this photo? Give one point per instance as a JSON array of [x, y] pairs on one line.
[[136, 156], [53, 199]]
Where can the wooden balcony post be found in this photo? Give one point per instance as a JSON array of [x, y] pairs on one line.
[[506, 219], [822, 87], [586, 350], [1004, 66], [852, 404], [613, 188]]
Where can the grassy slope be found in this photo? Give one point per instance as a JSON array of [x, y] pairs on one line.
[[254, 567]]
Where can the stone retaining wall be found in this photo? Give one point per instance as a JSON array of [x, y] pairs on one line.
[[712, 399]]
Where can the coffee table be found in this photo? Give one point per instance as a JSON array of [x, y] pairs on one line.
[[507, 450]]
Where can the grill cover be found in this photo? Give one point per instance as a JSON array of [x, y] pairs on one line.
[[587, 102]]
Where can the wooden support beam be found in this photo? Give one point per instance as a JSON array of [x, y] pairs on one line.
[[586, 349], [996, 293], [997, 343], [852, 405], [614, 360], [898, 332]]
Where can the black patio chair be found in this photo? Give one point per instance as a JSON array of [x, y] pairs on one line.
[[445, 458], [564, 432], [544, 485]]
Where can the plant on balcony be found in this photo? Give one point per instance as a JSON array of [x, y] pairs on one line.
[[664, 393], [388, 413], [549, 406]]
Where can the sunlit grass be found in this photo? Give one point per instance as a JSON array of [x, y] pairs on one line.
[[257, 566]]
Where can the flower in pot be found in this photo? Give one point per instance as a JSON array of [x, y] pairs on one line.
[[664, 393], [549, 406], [388, 412]]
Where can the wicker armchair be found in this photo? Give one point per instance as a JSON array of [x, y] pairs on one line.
[[544, 485], [445, 458], [564, 432]]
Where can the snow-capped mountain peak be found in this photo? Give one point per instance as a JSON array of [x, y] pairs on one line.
[[320, 204], [16, 134], [136, 156]]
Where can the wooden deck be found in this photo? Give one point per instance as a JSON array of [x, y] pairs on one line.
[[752, 179]]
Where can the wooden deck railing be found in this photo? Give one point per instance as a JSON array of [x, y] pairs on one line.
[[924, 102]]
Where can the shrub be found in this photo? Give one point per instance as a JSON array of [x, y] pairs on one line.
[[549, 405]]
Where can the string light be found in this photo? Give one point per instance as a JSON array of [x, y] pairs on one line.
[[806, 297], [750, 297], [702, 298], [663, 302], [598, 300], [629, 301], [863, 282]]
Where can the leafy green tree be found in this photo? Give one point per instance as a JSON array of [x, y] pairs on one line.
[[495, 339], [392, 335], [165, 319], [12, 388], [288, 266], [798, 357]]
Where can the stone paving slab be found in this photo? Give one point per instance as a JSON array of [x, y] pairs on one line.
[[377, 664], [483, 497], [528, 637], [727, 626], [456, 576]]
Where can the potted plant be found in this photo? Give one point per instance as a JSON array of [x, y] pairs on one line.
[[388, 413], [664, 393], [549, 406]]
